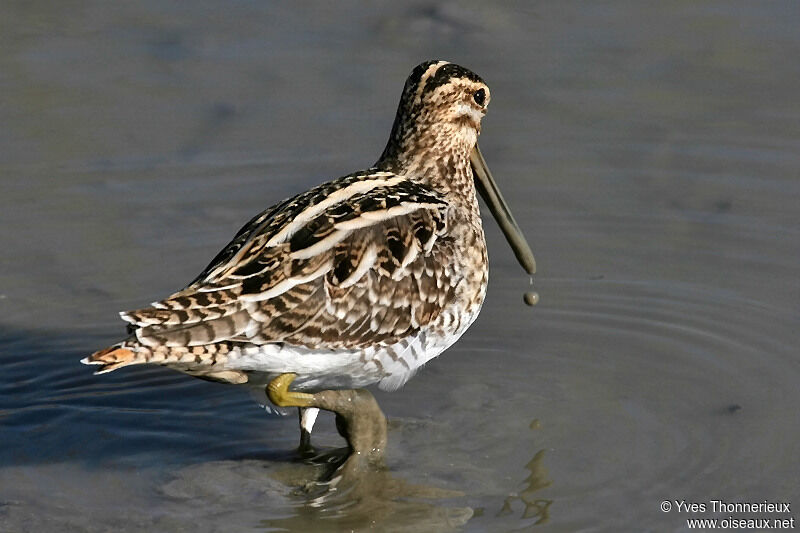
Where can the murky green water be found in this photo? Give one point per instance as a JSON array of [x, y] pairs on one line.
[[651, 153]]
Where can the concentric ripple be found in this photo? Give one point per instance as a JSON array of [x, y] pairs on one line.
[[643, 391]]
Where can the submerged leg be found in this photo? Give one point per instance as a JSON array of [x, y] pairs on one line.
[[308, 415], [358, 418], [279, 393]]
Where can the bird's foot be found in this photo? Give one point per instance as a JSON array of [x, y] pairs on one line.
[[279, 393]]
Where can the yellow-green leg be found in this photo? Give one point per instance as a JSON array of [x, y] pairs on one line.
[[279, 393]]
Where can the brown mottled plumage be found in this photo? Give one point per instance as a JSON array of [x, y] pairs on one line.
[[360, 280]]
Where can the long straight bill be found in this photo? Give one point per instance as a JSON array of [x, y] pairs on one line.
[[499, 208]]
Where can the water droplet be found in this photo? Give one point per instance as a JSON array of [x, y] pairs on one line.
[[531, 298]]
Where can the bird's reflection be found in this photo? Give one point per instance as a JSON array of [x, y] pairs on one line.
[[538, 479], [348, 488], [351, 488]]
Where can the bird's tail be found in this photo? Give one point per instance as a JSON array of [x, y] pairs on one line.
[[205, 362], [127, 352]]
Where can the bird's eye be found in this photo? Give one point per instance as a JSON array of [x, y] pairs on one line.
[[479, 97]]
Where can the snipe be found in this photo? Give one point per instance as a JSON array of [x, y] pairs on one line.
[[358, 281]]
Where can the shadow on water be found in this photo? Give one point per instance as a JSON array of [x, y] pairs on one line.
[[52, 409], [94, 442]]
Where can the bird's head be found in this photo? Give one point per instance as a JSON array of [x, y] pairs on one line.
[[442, 104], [447, 93], [435, 134]]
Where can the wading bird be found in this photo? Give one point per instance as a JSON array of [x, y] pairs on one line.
[[358, 281]]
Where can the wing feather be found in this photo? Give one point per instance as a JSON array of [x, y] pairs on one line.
[[344, 265]]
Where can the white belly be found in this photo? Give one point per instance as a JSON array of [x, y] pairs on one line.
[[390, 366]]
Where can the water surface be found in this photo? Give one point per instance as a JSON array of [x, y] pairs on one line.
[[650, 153]]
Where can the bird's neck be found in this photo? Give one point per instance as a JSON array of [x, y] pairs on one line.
[[435, 154]]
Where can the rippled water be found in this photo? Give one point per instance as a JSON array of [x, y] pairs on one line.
[[650, 153]]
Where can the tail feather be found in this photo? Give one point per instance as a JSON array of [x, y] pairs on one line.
[[206, 362], [112, 358]]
